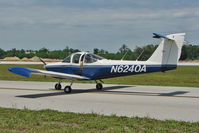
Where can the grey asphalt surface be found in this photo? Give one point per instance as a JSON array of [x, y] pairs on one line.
[[164, 103]]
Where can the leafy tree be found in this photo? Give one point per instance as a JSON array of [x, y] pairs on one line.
[[188, 52], [43, 50], [2, 52], [96, 51], [124, 49], [184, 54]]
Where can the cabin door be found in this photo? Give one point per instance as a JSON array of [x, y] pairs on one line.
[[77, 63]]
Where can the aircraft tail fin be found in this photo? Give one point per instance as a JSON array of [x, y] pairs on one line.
[[169, 50]]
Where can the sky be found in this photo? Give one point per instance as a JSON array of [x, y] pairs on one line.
[[89, 24]]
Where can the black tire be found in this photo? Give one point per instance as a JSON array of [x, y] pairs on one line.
[[67, 89], [99, 86], [58, 86]]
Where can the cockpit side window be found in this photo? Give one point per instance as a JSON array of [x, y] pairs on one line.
[[76, 58], [90, 58], [67, 59], [97, 57]]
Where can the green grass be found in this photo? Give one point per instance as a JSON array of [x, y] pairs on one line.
[[14, 120], [182, 76]]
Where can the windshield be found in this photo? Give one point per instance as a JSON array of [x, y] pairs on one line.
[[67, 59], [90, 58]]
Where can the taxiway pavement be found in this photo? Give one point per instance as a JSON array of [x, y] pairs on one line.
[[164, 103]]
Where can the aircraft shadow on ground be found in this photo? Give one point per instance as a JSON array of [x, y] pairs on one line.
[[75, 91], [150, 93], [107, 90]]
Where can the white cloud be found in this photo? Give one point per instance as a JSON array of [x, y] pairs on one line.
[[90, 26], [42, 15]]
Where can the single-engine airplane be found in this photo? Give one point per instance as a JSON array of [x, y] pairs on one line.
[[87, 66]]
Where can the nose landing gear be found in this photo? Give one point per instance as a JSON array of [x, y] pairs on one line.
[[68, 89]]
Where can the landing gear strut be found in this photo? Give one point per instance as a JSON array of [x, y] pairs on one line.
[[68, 89]]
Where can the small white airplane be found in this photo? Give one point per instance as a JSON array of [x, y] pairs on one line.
[[87, 66]]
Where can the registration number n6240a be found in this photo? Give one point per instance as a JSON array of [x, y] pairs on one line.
[[128, 68]]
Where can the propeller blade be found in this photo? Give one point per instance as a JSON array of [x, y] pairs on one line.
[[42, 61]]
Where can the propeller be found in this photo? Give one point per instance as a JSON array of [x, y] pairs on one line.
[[44, 65], [42, 61]]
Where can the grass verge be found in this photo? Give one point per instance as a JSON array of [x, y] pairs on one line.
[[14, 120], [182, 76]]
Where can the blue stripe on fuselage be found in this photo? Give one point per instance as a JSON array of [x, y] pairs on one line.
[[103, 71]]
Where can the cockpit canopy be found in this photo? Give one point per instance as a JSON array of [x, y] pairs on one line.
[[90, 58], [83, 57]]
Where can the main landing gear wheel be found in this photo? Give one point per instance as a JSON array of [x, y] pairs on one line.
[[67, 89], [58, 86], [99, 86]]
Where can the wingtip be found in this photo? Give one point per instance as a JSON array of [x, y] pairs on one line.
[[10, 69], [20, 71]]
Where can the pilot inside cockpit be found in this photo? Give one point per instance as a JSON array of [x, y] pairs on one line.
[[90, 58]]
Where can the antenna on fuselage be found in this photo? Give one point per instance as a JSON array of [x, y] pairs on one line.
[[124, 55], [140, 55]]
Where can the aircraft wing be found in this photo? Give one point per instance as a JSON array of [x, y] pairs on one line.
[[28, 71]]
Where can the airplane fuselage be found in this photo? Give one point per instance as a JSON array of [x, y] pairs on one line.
[[108, 68]]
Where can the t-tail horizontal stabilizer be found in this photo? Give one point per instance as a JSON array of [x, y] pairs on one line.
[[156, 35]]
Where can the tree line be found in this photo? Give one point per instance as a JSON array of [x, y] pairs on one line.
[[189, 52]]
